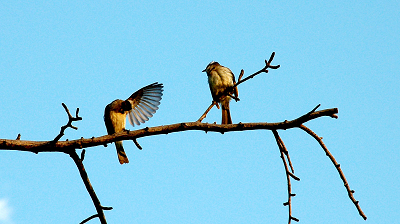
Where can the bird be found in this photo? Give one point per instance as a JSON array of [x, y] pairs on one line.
[[139, 107], [222, 86]]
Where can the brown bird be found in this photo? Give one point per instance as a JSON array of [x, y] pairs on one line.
[[140, 106], [221, 80]]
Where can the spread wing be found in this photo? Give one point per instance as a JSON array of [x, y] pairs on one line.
[[144, 103]]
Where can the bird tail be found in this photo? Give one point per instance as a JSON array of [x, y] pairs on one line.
[[226, 116], [121, 153]]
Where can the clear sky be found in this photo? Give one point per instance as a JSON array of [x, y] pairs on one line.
[[342, 54]]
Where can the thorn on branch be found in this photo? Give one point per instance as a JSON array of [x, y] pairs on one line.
[[240, 125], [293, 176], [106, 208], [294, 219], [313, 110]]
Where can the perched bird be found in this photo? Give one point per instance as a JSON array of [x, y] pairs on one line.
[[221, 81], [140, 106]]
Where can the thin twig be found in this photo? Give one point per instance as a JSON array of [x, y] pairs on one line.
[[89, 218], [265, 69], [206, 112], [69, 124], [283, 152], [241, 75], [337, 165], [89, 188], [137, 144]]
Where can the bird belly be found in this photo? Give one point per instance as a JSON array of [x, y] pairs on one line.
[[218, 83]]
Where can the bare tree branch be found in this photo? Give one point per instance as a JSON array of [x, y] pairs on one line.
[[89, 188], [67, 146], [289, 174], [337, 166]]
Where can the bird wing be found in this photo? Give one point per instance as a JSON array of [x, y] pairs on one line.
[[144, 103], [235, 89]]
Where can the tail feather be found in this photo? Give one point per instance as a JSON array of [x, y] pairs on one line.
[[226, 116], [121, 153]]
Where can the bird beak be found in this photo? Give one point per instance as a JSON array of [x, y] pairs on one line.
[[203, 70]]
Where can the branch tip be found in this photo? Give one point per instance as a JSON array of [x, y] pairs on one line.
[[294, 219], [337, 166], [89, 218], [271, 58], [241, 75], [106, 208], [137, 144]]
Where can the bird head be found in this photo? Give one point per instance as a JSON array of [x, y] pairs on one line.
[[211, 66]]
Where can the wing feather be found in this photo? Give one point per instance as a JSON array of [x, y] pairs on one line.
[[144, 103]]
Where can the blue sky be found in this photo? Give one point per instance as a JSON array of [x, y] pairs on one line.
[[340, 54]]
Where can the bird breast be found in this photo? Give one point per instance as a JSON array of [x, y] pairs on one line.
[[118, 120], [219, 81]]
